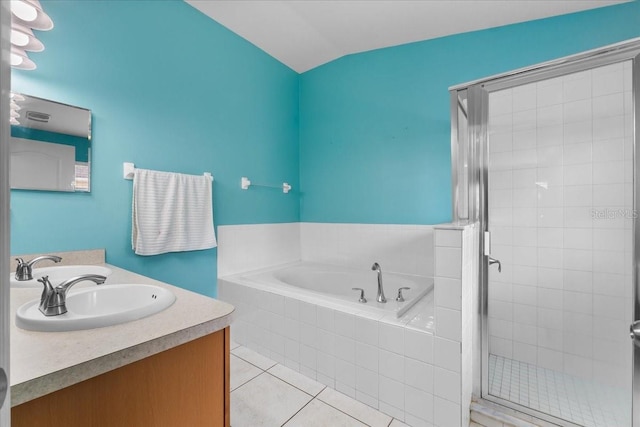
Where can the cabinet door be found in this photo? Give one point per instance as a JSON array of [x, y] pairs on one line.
[[183, 386]]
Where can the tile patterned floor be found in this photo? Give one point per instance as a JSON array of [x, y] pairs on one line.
[[574, 399], [264, 393]]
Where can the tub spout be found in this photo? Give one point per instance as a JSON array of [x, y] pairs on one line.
[[380, 298]]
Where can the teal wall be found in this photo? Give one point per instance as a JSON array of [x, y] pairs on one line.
[[375, 128], [172, 90]]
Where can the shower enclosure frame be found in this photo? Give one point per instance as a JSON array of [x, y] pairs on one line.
[[469, 151]]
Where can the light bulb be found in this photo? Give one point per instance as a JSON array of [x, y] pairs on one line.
[[20, 59], [23, 10], [14, 121], [18, 38], [23, 37], [16, 59]]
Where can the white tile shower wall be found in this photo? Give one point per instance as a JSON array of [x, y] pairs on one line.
[[397, 248], [454, 277], [253, 246], [560, 194]]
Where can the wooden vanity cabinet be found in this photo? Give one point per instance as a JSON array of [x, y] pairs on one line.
[[186, 385]]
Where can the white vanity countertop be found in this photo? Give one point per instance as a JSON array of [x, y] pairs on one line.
[[44, 362]]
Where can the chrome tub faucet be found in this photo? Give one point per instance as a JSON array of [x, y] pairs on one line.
[[24, 270], [380, 298], [53, 300]]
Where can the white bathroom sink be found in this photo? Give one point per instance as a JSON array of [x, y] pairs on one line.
[[96, 307], [58, 274]]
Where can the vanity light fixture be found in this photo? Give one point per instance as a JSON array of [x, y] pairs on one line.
[[30, 14], [26, 16]]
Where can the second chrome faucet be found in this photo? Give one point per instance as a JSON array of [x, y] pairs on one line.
[[24, 270]]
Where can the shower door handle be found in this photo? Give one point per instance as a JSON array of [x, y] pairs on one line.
[[495, 261], [634, 331]]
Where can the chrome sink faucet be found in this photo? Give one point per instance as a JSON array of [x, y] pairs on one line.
[[53, 300], [380, 298], [24, 270]]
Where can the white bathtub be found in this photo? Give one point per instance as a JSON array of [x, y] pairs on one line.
[[309, 281], [306, 317]]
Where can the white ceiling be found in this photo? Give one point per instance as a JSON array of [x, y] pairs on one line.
[[306, 33]]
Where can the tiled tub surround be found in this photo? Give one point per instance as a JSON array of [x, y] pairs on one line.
[[560, 192], [253, 246], [456, 307], [404, 249], [398, 248], [408, 367]]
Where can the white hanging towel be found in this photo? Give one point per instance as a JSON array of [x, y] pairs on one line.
[[172, 212]]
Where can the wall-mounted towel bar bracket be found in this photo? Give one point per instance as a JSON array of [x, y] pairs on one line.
[[129, 170], [245, 183]]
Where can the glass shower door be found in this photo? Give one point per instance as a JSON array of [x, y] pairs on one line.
[[558, 200]]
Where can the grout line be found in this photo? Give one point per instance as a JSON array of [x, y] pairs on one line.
[[293, 385], [296, 387], [352, 416], [313, 398], [264, 370], [348, 414], [246, 382], [250, 379], [297, 412], [558, 393]]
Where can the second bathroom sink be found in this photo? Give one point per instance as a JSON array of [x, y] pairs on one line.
[[58, 274]]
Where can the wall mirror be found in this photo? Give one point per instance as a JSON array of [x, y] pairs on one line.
[[50, 145]]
